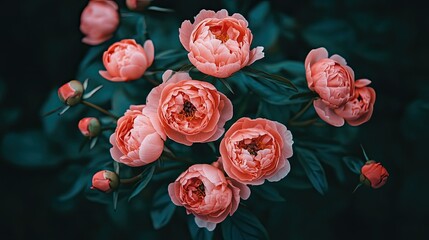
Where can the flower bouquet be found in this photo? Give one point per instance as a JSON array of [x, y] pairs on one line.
[[195, 127]]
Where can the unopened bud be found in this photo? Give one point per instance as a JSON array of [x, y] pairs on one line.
[[89, 126], [373, 174], [71, 92], [105, 181]]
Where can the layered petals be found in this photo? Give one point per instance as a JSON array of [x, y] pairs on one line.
[[219, 44], [127, 60], [206, 193], [255, 150]]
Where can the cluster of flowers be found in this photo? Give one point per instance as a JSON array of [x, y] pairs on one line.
[[190, 111]]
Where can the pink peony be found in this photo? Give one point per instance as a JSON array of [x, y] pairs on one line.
[[253, 150], [99, 21], [333, 80], [359, 110], [135, 141], [188, 111], [71, 92], [219, 44], [105, 181], [89, 126], [206, 193], [127, 60], [373, 174]]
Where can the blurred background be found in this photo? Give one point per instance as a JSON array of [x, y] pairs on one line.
[[384, 41]]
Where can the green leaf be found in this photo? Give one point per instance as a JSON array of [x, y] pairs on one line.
[[198, 233], [353, 163], [272, 77], [268, 192], [162, 208], [304, 95], [243, 225], [146, 177], [121, 101], [226, 85], [313, 168]]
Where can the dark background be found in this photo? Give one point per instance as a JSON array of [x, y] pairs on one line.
[[41, 49]]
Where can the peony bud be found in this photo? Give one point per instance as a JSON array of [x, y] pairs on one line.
[[71, 92], [373, 174], [137, 5], [105, 181], [89, 126]]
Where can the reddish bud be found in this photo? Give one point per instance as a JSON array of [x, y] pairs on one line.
[[105, 181], [71, 92], [89, 126], [373, 174]]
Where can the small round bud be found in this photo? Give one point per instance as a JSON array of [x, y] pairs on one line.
[[105, 181], [373, 174], [71, 92], [137, 5], [89, 126]]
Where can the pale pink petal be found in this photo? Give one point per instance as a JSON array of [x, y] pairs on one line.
[[362, 83], [338, 59], [204, 224], [327, 114], [150, 51], [106, 75], [131, 72], [281, 173], [244, 189], [185, 32], [151, 148], [256, 54], [203, 14], [114, 150], [172, 188]]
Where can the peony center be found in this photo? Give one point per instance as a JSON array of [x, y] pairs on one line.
[[188, 109], [252, 145]]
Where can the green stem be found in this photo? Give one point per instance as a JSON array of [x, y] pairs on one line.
[[131, 180], [302, 111], [356, 188], [92, 105]]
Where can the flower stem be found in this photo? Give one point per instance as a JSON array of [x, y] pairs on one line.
[[131, 180], [356, 188], [302, 111], [92, 105]]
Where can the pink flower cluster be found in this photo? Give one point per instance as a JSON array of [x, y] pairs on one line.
[[341, 98]]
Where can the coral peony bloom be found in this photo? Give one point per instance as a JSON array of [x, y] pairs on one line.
[[218, 44], [333, 80], [105, 181], [373, 174], [205, 192], [135, 141], [188, 111], [71, 92], [127, 60], [359, 109], [99, 21], [253, 150], [89, 126]]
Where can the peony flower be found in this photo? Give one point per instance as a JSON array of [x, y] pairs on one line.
[[135, 141], [206, 193], [359, 110], [89, 126], [219, 44], [99, 21], [332, 80], [127, 60], [105, 181], [373, 174], [188, 111], [71, 93], [253, 150]]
